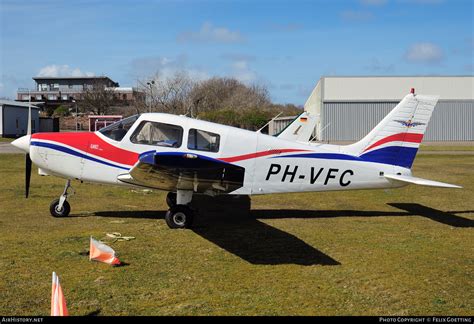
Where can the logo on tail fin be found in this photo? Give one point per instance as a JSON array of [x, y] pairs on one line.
[[409, 123]]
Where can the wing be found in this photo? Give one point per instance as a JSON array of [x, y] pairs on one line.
[[184, 171]]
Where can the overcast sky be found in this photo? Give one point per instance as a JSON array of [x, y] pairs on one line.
[[285, 45]]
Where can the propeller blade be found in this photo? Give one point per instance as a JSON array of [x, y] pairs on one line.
[[27, 174]]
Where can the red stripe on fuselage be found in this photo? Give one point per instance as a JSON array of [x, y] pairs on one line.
[[401, 137], [92, 144], [258, 154]]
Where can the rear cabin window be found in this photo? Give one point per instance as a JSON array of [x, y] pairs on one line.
[[203, 141], [160, 134]]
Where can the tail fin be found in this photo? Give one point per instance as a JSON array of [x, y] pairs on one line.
[[396, 139], [300, 129]]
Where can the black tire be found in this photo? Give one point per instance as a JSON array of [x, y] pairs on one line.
[[179, 216], [64, 212], [171, 199]]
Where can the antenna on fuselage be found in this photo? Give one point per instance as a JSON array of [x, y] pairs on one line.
[[260, 130]]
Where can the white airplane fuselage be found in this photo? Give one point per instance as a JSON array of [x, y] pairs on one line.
[[272, 165]]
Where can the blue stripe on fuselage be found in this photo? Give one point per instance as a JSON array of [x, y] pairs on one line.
[[393, 155], [75, 153]]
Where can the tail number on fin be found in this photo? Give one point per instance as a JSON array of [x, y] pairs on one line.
[[290, 173]]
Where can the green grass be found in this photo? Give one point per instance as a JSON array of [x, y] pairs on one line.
[[6, 140], [338, 253], [431, 148]]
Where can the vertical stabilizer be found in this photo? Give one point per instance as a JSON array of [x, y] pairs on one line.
[[396, 139]]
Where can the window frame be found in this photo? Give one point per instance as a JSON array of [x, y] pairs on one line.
[[140, 126], [201, 150]]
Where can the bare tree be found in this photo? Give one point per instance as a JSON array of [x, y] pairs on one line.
[[96, 98], [168, 94]]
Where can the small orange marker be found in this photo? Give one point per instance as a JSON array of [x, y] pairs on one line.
[[100, 252], [58, 302]]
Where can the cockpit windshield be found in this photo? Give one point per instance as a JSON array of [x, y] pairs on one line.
[[117, 130]]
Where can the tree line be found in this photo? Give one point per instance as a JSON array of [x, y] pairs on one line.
[[219, 99]]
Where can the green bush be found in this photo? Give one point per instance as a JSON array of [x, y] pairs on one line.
[[61, 111]]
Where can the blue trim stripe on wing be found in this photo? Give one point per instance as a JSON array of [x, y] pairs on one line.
[[75, 153]]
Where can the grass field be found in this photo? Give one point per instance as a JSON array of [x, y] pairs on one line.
[[406, 251]]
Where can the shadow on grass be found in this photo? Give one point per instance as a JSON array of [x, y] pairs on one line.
[[144, 214], [447, 218], [247, 238], [94, 313], [259, 243], [239, 231]]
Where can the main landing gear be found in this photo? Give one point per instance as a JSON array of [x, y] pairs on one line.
[[60, 207], [179, 215]]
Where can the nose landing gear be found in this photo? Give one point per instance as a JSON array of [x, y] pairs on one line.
[[60, 207]]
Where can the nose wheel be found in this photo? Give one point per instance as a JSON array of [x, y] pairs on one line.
[[60, 207], [59, 211]]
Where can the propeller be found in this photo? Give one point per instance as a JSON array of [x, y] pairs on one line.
[[27, 174], [27, 156]]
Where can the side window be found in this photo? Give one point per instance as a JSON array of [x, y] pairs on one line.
[[153, 133], [203, 141]]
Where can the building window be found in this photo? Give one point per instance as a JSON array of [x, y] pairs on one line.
[[64, 97], [70, 86], [38, 97], [51, 97], [203, 141], [25, 97]]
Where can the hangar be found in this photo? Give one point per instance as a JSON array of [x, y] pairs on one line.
[[349, 107], [14, 118]]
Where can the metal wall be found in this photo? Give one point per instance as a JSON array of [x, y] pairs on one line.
[[278, 124], [452, 120], [18, 115]]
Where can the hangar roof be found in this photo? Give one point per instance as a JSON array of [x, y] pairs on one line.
[[367, 88], [17, 103]]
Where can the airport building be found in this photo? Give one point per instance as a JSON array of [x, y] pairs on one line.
[[56, 91], [349, 107]]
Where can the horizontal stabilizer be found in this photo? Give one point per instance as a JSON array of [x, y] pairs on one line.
[[420, 181]]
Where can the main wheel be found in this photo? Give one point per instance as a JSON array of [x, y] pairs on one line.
[[179, 216], [171, 199], [57, 212]]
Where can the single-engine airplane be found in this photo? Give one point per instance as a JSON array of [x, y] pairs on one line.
[[185, 156]]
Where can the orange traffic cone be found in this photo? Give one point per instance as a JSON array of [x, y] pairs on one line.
[[103, 253], [58, 302]]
